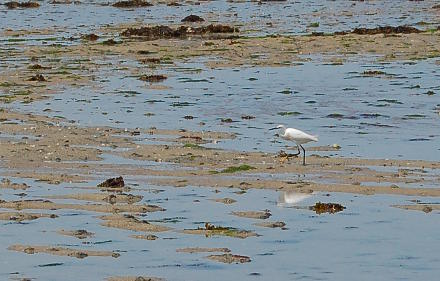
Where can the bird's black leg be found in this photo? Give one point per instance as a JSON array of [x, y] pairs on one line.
[[296, 154], [304, 155]]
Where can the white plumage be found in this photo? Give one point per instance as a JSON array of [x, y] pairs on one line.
[[297, 136]]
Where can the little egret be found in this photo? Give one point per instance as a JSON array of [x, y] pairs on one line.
[[297, 136]]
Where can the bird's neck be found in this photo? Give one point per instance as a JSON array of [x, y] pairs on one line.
[[283, 130]]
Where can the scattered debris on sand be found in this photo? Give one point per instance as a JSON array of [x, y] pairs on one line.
[[330, 208], [60, 251], [229, 258]]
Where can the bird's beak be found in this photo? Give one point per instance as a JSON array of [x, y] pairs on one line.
[[273, 128]]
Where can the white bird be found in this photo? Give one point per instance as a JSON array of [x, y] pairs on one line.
[[298, 137]]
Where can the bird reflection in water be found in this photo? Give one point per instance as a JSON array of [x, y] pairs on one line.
[[291, 198]]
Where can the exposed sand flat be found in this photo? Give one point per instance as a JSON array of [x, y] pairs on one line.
[[102, 208], [262, 215], [427, 208], [22, 216], [80, 234], [131, 223], [101, 197], [302, 187], [194, 165], [202, 250], [60, 251]]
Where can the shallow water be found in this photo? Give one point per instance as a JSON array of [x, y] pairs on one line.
[[368, 239], [290, 17], [386, 116]]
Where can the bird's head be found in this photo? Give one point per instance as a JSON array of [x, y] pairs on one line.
[[278, 127]]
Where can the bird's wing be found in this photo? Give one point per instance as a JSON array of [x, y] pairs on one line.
[[294, 134]]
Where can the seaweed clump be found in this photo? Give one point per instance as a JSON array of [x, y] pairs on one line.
[[210, 230], [132, 4], [386, 30], [192, 18], [14, 4], [38, 77], [373, 72], [381, 30], [90, 37], [153, 78], [113, 182], [163, 31], [330, 208]]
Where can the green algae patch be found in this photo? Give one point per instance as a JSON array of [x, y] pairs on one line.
[[234, 169], [193, 145], [212, 230]]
